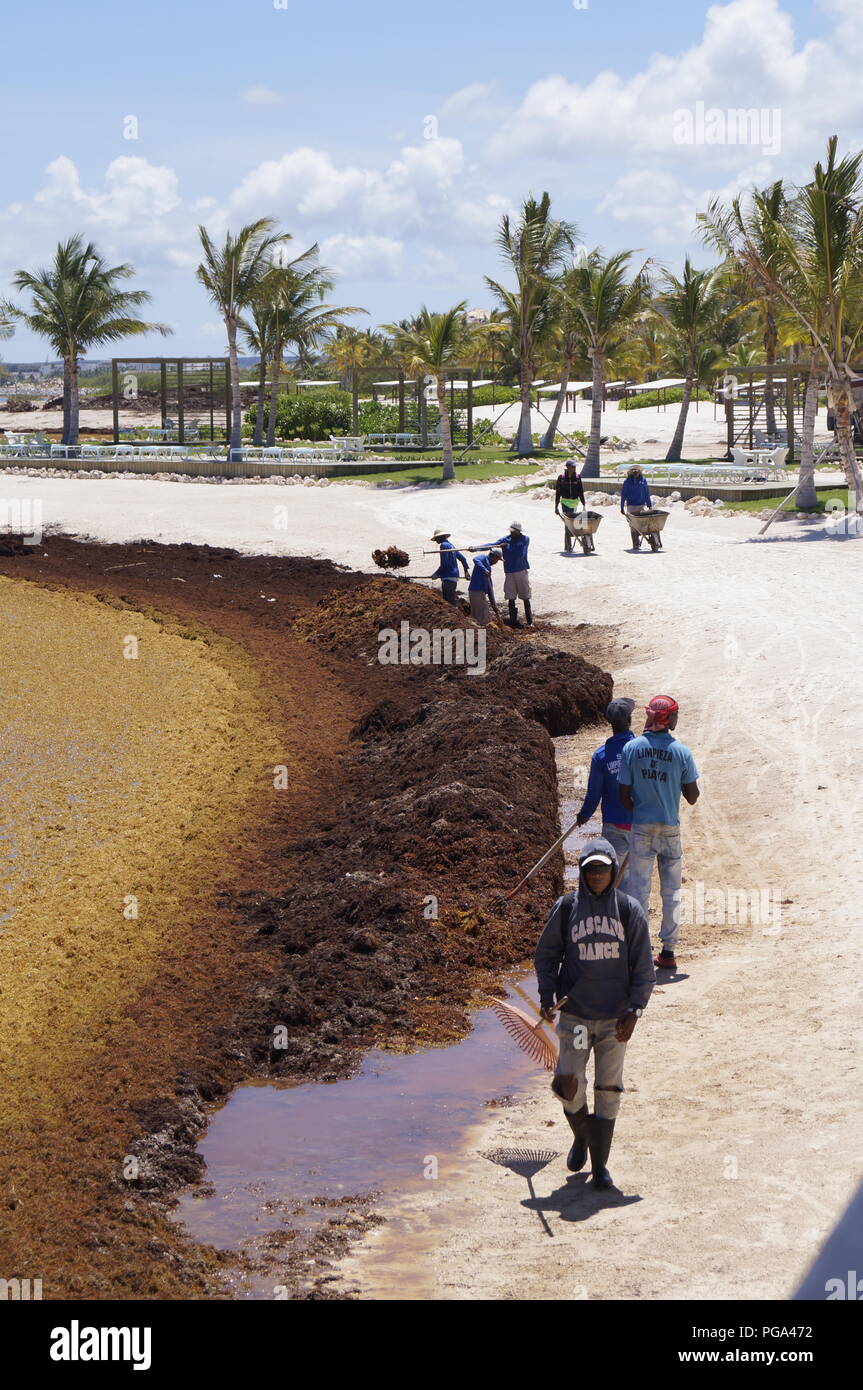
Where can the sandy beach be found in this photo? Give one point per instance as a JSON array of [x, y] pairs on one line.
[[736, 1142]]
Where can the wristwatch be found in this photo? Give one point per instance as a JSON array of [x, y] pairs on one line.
[[637, 1012]]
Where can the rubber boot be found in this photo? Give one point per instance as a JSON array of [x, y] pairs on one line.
[[577, 1156], [636, 540], [528, 613], [513, 614], [599, 1135]]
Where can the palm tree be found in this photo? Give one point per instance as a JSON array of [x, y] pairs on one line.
[[434, 346], [300, 318], [258, 332], [535, 248], [77, 303], [567, 336], [816, 272], [234, 276], [755, 221], [689, 312], [610, 306], [351, 349]]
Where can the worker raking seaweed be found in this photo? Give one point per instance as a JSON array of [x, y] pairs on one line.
[[595, 953], [447, 570], [516, 570]]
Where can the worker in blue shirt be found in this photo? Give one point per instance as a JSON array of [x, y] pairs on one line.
[[602, 783], [480, 590], [447, 570], [635, 497], [655, 769], [516, 583]]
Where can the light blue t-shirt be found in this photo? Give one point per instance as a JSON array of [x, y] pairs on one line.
[[656, 766]]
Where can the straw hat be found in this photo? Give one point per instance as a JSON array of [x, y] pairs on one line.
[[515, 526], [440, 535]]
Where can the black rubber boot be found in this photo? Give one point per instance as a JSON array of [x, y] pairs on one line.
[[599, 1135], [528, 613], [636, 540], [513, 614], [577, 1156]]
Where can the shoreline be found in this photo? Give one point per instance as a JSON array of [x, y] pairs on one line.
[[259, 904]]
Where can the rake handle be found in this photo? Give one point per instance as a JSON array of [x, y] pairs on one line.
[[544, 860], [554, 1009]]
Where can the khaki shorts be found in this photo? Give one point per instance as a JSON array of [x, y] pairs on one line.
[[480, 609], [517, 585]]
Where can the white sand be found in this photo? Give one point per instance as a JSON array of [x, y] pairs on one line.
[[752, 1063]]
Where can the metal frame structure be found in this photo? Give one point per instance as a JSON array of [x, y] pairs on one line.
[[409, 396], [179, 364], [789, 373]]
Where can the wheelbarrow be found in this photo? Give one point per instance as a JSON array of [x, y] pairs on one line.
[[583, 526], [648, 524]]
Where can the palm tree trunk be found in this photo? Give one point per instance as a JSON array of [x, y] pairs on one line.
[[259, 413], [67, 393], [236, 403], [73, 401], [591, 462], [448, 474], [806, 494], [355, 401], [769, 401], [274, 398], [524, 438], [547, 441], [675, 448], [853, 478]]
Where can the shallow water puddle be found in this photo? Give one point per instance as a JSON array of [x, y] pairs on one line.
[[379, 1130], [291, 1155]]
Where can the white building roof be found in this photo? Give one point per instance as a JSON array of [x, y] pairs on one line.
[[660, 385], [570, 386]]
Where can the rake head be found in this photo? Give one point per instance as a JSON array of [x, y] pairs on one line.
[[529, 1035], [525, 1162]]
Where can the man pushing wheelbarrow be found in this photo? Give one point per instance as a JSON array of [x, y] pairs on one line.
[[636, 504]]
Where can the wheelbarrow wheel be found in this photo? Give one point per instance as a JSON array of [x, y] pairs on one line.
[[586, 544], [654, 541]]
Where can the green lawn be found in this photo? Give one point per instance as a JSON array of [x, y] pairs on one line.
[[426, 472], [824, 495]]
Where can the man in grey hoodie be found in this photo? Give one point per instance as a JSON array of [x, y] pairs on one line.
[[595, 953]]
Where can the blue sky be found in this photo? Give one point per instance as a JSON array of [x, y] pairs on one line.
[[396, 135]]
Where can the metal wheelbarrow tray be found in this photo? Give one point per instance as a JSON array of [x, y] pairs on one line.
[[583, 525], [648, 524]]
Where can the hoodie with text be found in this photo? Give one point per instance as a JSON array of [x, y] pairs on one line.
[[595, 950]]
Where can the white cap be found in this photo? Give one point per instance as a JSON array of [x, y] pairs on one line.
[[598, 858], [515, 526]]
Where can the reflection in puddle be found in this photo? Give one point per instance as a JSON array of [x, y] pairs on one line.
[[272, 1150], [286, 1155]]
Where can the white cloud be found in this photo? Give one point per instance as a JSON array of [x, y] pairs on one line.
[[364, 257], [425, 183], [476, 102], [746, 58], [262, 96]]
